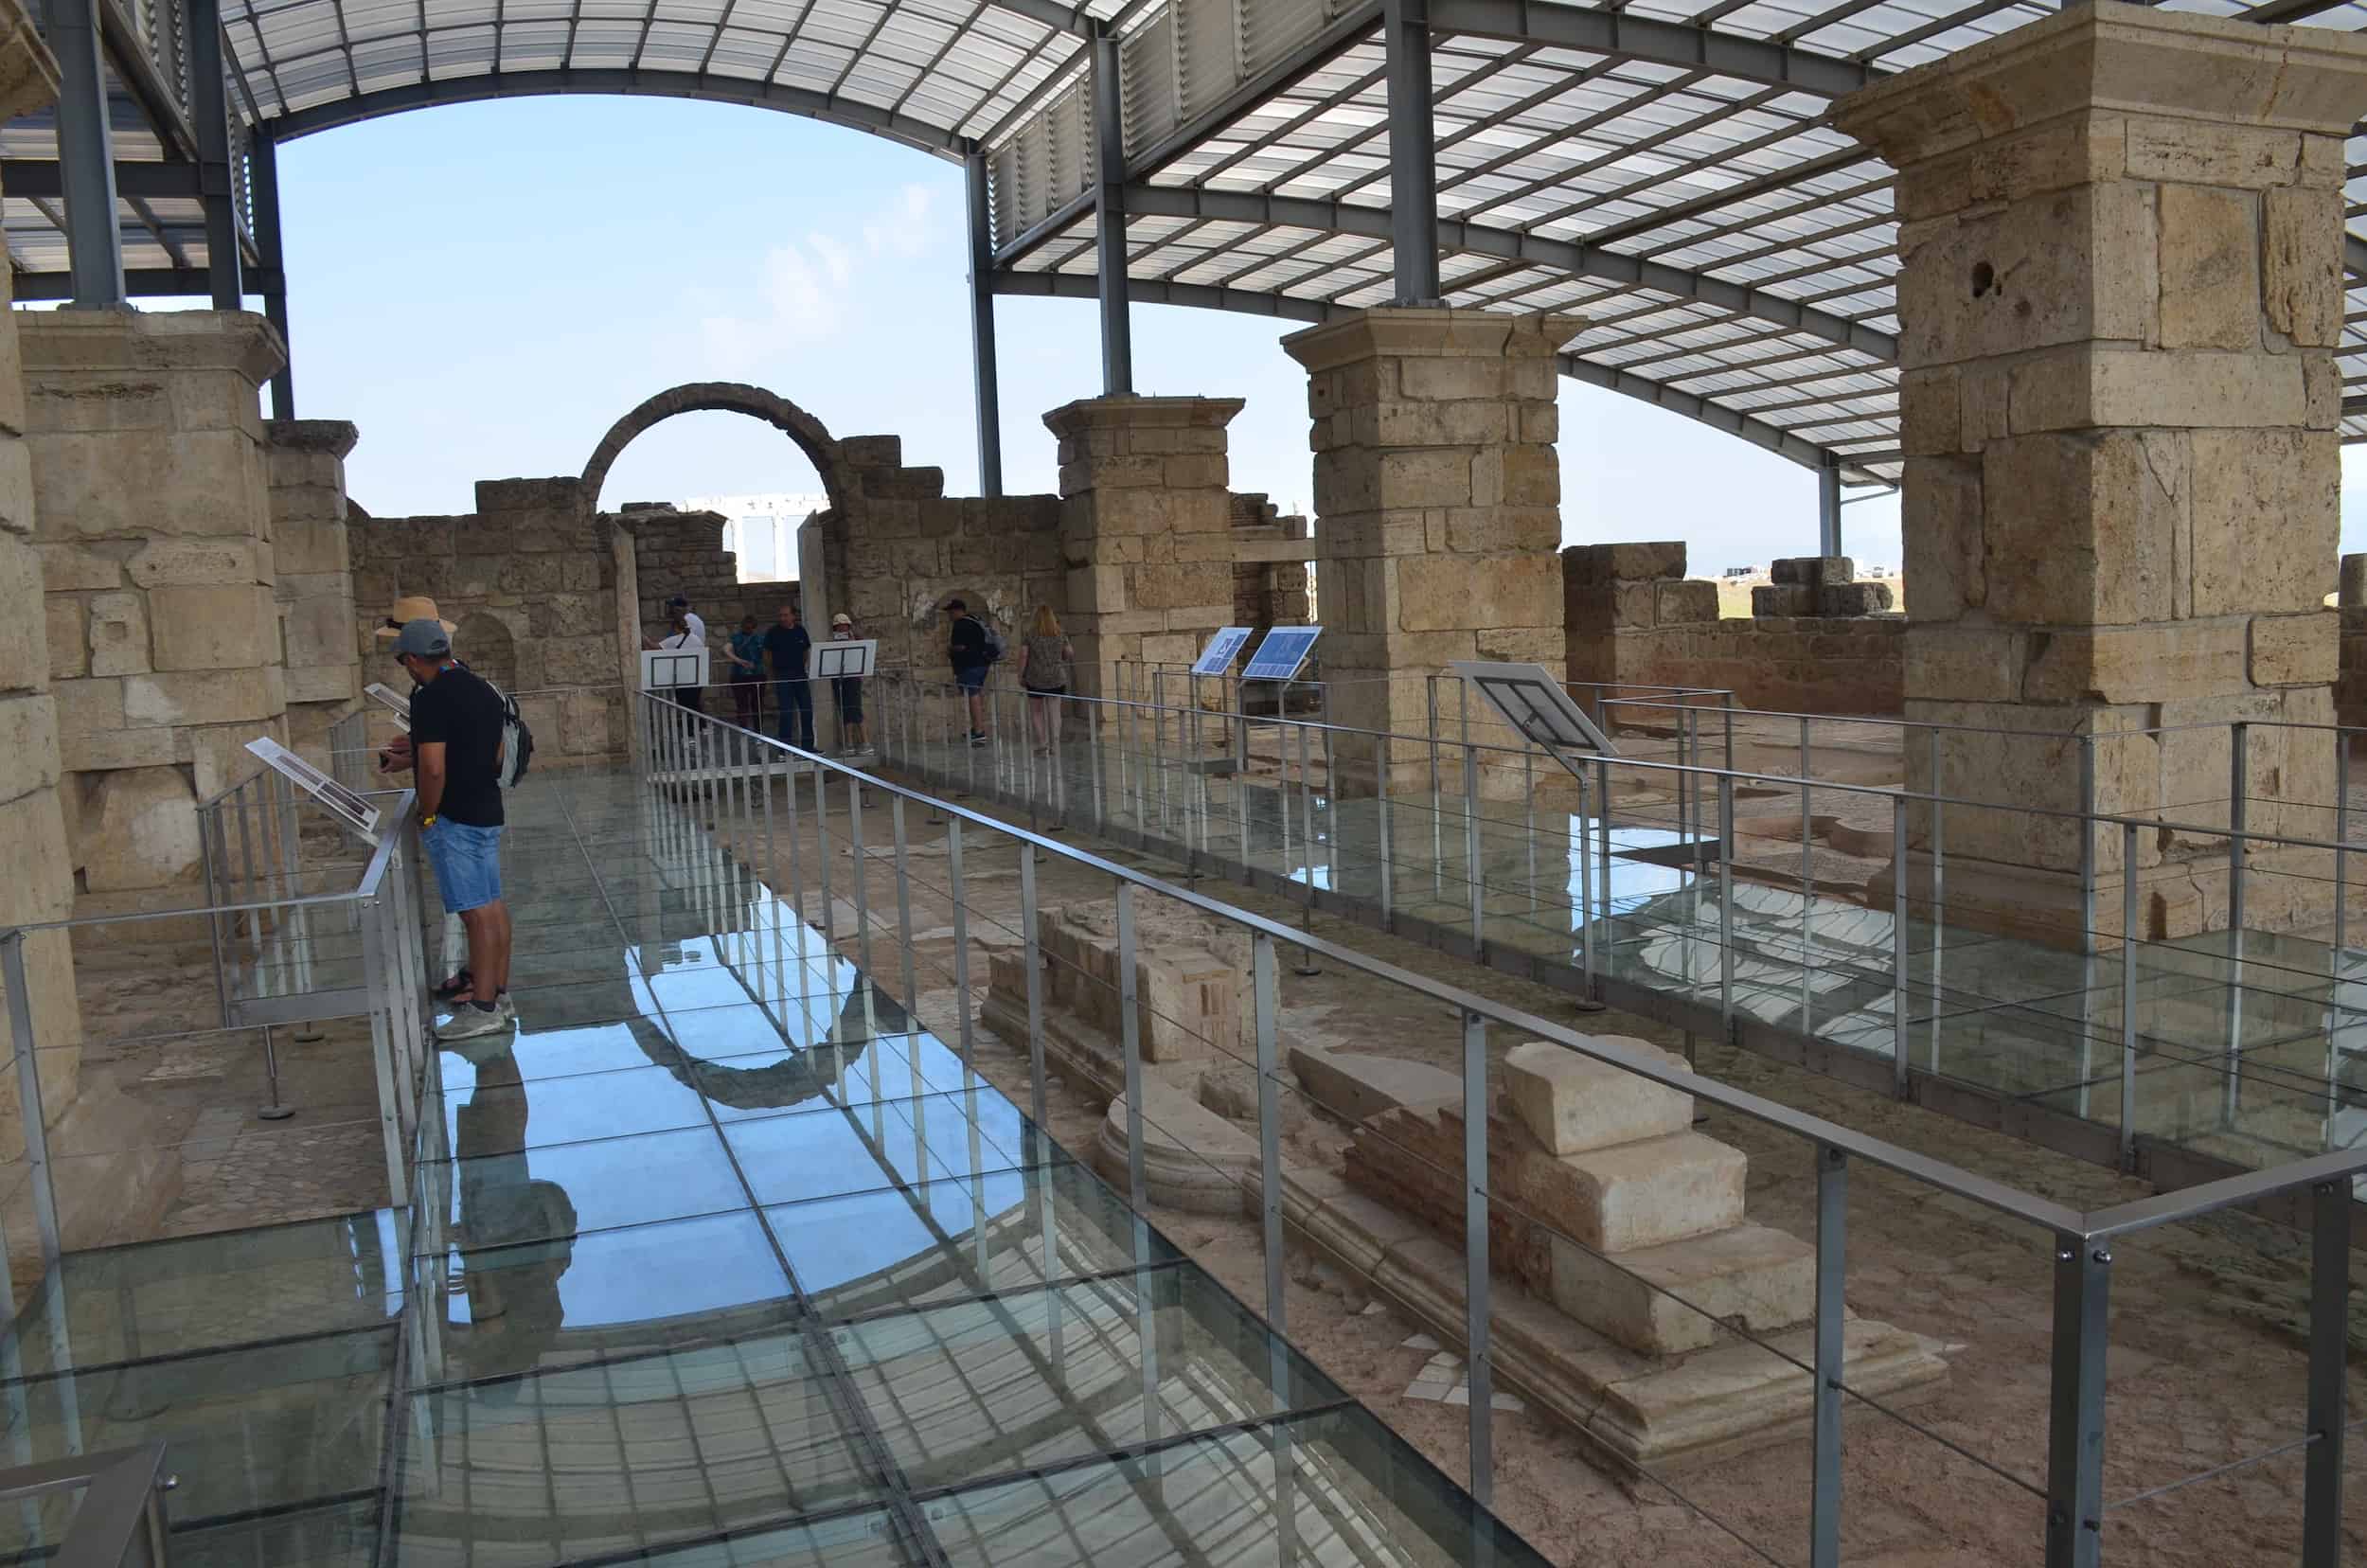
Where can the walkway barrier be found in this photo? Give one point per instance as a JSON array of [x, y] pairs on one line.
[[1697, 894], [114, 1503], [1094, 974]]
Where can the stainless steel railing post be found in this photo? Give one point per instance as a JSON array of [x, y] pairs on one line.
[[2329, 1349], [2128, 996], [1031, 955], [2074, 1469], [961, 942], [1832, 1233], [1476, 873], [1726, 907], [1263, 988], [1477, 1283], [1131, 1044], [1898, 949]]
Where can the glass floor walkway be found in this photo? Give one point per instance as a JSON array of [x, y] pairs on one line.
[[717, 1261], [2248, 1053]]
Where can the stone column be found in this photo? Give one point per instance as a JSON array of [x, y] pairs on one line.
[[153, 497], [40, 881], [1438, 504], [313, 576], [1146, 528], [2119, 298]]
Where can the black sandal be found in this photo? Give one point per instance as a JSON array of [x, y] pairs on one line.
[[453, 987]]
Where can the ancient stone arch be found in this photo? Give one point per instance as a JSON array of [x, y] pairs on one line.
[[820, 447]]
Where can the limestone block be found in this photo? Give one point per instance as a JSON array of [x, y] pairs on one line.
[[1446, 379], [186, 482], [1851, 598], [2194, 153], [1353, 1085], [218, 755], [1942, 539], [69, 640], [580, 661], [140, 830], [118, 634], [1965, 664], [2083, 386], [2210, 259], [1813, 571], [2294, 650], [2301, 275], [2353, 590], [320, 632], [1678, 603], [2061, 268], [322, 683], [1602, 564], [1780, 599], [88, 706], [203, 696], [1572, 1103], [304, 547], [1762, 1278], [214, 626], [1439, 592], [103, 750], [1636, 1194], [584, 727], [2137, 664], [29, 750], [69, 567], [2083, 527], [2266, 509]]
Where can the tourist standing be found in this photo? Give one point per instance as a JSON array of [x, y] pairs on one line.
[[457, 747], [789, 645], [847, 691], [746, 653], [1045, 669], [967, 651]]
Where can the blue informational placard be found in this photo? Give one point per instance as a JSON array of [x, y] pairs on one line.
[[1222, 649], [1280, 655]]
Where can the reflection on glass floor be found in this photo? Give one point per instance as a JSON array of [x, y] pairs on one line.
[[717, 1260], [2252, 1057]]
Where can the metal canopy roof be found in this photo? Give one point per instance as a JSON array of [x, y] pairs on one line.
[[1662, 169]]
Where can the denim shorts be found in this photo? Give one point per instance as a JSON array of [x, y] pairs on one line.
[[468, 863], [971, 680]]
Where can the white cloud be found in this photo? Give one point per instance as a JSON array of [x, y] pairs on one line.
[[903, 228], [807, 290]]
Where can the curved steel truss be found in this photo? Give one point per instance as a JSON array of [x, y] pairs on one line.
[[1662, 169]]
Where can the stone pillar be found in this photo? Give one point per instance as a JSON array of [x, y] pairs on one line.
[[2119, 298], [313, 576], [1437, 505], [153, 497], [1146, 528], [40, 881]]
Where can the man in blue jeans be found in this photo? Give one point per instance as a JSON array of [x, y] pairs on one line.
[[788, 644], [456, 748]]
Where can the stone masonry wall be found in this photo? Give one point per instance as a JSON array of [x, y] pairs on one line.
[[33, 838], [314, 581], [1268, 593], [679, 552], [1634, 618], [531, 577], [153, 492]]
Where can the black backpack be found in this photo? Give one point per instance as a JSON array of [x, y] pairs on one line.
[[517, 740]]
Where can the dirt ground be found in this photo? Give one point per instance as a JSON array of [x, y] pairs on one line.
[[2206, 1363]]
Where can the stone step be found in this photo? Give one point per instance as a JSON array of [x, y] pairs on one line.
[[1352, 1085], [1193, 1159], [1647, 1299], [1570, 1103]]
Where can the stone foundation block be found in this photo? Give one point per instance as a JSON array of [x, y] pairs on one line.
[[138, 829], [1783, 599], [1850, 598], [1762, 1278], [2294, 650], [1813, 571], [1572, 1103], [1683, 603], [1631, 1195]]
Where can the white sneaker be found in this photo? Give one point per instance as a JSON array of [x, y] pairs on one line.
[[469, 1021], [506, 1008]]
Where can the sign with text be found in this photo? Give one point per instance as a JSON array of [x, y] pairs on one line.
[[340, 802], [850, 658], [1221, 651], [667, 669], [392, 700], [1530, 698], [1280, 656]]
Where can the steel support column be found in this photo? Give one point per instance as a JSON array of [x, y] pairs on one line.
[[1829, 507], [86, 153], [1413, 152], [984, 382], [211, 108], [1117, 338], [263, 169]]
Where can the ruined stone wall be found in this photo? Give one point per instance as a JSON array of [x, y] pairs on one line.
[[900, 547], [1634, 618], [152, 490], [531, 579], [1268, 593], [2350, 678], [680, 552], [313, 582]]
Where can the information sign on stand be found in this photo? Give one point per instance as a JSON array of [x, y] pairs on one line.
[[1530, 699], [667, 669], [1282, 654], [1216, 658], [340, 802], [392, 700], [851, 659]]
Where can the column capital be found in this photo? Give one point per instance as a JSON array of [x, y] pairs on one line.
[[1132, 413], [72, 342], [333, 437], [2118, 58], [1431, 331]]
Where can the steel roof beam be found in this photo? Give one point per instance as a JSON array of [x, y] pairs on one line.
[[158, 99], [933, 139], [140, 283], [1564, 256], [1634, 37], [1244, 302]]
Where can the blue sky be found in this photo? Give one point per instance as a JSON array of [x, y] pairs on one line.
[[485, 288]]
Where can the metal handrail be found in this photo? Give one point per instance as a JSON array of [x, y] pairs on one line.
[[2044, 1212], [122, 1504]]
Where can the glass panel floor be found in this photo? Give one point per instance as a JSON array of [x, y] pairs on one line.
[[2253, 1053], [716, 1260]]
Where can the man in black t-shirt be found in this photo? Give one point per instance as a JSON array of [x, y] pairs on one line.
[[456, 744], [967, 652], [788, 644]]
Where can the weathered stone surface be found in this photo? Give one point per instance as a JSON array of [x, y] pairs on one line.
[[1353, 1086], [2082, 527], [67, 567], [2300, 272], [160, 562], [2136, 663], [214, 626], [2210, 268], [203, 697], [1570, 1103], [118, 634], [68, 637], [2294, 650], [28, 759], [2266, 512], [139, 828], [1675, 1297]]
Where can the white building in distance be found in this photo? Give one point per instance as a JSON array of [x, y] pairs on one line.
[[761, 530]]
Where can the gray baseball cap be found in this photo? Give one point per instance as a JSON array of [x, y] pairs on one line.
[[424, 639]]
